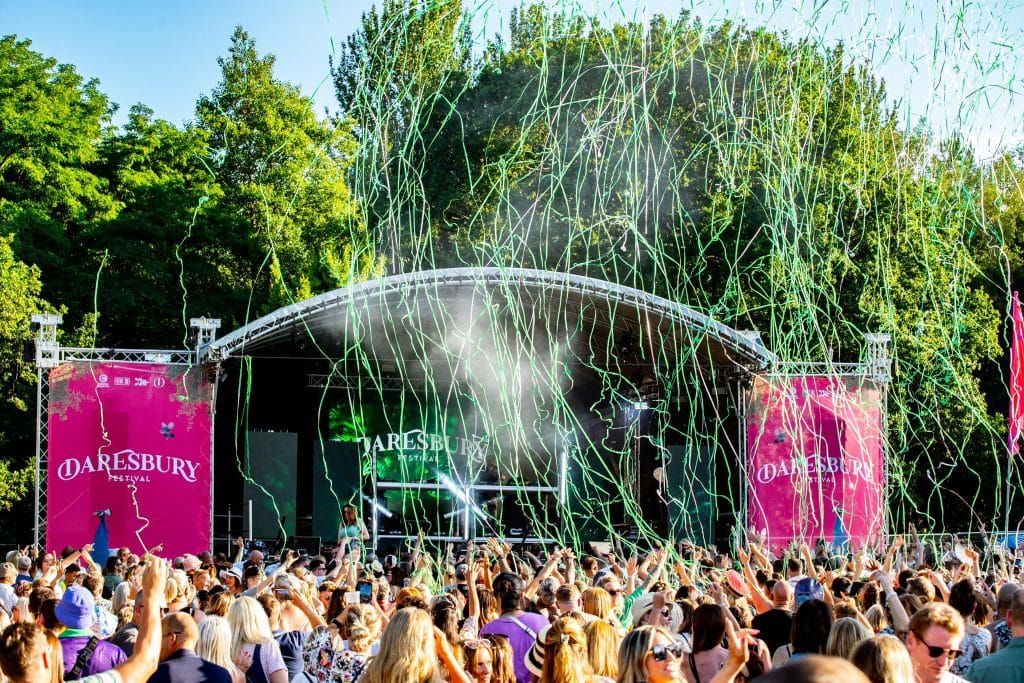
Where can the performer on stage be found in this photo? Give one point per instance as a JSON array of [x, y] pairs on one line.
[[352, 527]]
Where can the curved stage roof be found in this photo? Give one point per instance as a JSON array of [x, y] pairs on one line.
[[620, 318]]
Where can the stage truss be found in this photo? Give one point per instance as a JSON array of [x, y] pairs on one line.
[[751, 358], [49, 354]]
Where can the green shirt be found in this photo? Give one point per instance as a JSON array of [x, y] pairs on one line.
[[626, 618], [1005, 666], [76, 633]]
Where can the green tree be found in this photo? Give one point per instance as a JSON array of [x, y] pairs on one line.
[[21, 289], [760, 179], [159, 260], [286, 207], [51, 121], [398, 76]]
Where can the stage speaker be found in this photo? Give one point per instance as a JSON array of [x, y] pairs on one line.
[[593, 503], [271, 463], [689, 489], [335, 467]]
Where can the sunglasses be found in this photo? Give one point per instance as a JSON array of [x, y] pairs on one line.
[[661, 652], [935, 652], [482, 643], [613, 593]]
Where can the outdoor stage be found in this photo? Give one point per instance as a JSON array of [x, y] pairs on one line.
[[465, 403]]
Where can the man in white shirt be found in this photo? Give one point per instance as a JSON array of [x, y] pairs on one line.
[[7, 596]]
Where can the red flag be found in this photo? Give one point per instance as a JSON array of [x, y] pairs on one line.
[[1016, 378]]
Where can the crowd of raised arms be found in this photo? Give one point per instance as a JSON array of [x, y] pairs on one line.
[[491, 613]]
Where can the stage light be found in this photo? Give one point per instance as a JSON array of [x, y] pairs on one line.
[[460, 494], [378, 507]]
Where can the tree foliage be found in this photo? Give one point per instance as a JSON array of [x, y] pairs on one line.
[[763, 180], [285, 199], [21, 287]]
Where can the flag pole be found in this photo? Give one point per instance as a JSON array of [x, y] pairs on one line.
[[1016, 408], [1006, 501]]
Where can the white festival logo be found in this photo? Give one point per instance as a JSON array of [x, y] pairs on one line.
[[474, 449], [815, 465], [128, 461]]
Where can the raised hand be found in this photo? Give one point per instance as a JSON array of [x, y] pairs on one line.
[[884, 580]]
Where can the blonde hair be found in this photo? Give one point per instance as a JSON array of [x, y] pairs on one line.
[[883, 659], [214, 644], [125, 614], [406, 652], [173, 588], [845, 635], [24, 613], [937, 614], [876, 617], [598, 602], [374, 622], [122, 596], [56, 654], [249, 624], [565, 653], [21, 646], [358, 632], [602, 648], [219, 604], [502, 669], [633, 652], [311, 592]]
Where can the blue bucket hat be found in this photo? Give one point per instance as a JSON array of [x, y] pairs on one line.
[[76, 608]]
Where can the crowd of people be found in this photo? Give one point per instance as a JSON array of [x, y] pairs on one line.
[[906, 613]]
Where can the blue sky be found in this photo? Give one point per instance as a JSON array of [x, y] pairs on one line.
[[954, 62]]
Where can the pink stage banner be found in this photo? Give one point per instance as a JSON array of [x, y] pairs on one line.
[[134, 439], [815, 459]]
